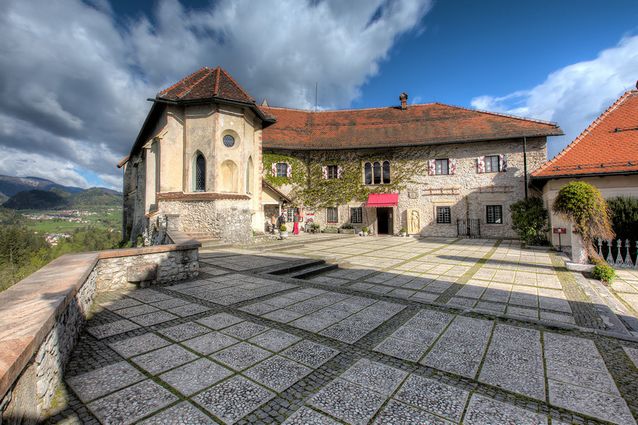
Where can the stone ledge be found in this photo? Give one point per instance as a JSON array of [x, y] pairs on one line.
[[31, 307], [199, 196]]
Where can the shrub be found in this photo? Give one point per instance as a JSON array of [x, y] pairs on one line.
[[365, 230], [403, 230], [530, 221], [347, 226], [603, 271], [624, 216], [330, 229], [283, 228], [583, 205]]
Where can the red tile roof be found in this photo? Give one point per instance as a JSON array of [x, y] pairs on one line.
[[427, 124], [608, 146], [206, 83]]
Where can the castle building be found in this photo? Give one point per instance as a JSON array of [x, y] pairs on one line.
[[213, 162]]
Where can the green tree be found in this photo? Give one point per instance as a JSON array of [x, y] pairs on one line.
[[583, 205], [530, 221], [624, 216]]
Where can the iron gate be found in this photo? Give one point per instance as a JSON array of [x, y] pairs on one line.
[[470, 228]]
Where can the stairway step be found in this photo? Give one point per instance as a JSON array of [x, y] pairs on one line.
[[313, 271], [287, 270]]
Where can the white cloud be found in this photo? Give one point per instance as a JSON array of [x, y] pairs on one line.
[[575, 95], [74, 80]]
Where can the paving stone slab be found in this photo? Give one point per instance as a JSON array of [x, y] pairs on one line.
[[277, 373], [136, 310], [210, 342], [401, 349], [397, 413], [258, 308], [183, 413], [163, 359], [132, 403], [274, 340], [349, 402], [219, 321], [486, 411], [310, 353], [138, 344], [120, 303], [601, 380], [233, 399], [154, 318], [105, 380], [632, 353], [171, 303], [149, 295], [195, 376], [245, 330], [433, 396], [188, 309], [375, 376], [113, 328], [241, 356], [306, 416], [593, 403], [282, 315], [184, 331]]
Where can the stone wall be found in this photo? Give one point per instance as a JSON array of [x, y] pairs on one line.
[[228, 220], [42, 316], [146, 269]]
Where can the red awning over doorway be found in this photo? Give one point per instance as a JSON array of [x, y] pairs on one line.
[[383, 200]]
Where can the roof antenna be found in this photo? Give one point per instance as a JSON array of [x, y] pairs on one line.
[[316, 94]]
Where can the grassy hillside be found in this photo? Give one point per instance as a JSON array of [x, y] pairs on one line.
[[97, 196], [36, 200]]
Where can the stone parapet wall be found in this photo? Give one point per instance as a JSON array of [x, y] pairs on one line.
[[42, 316]]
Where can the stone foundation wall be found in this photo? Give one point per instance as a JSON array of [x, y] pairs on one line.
[[164, 267], [228, 220]]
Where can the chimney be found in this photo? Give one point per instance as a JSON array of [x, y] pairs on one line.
[[403, 97]]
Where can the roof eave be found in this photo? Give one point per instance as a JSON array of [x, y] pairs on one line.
[[215, 99], [580, 175]]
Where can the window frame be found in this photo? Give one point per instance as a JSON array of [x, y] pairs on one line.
[[376, 173], [438, 216], [359, 214], [367, 173], [494, 209], [329, 211], [196, 187], [277, 169], [438, 170], [488, 159], [386, 173], [290, 215], [333, 172]]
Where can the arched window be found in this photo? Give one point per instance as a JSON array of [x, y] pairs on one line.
[[368, 173], [250, 170], [199, 173], [229, 176], [377, 172], [386, 172]]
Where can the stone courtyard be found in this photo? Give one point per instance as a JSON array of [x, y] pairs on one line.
[[403, 331]]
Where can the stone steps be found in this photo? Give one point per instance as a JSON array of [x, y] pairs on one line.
[[313, 271]]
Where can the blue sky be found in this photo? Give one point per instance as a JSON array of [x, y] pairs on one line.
[[76, 74]]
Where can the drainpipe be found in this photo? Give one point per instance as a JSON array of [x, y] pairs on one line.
[[525, 162]]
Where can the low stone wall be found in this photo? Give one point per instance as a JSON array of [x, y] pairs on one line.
[[42, 316]]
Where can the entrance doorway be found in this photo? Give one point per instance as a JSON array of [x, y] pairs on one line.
[[384, 221]]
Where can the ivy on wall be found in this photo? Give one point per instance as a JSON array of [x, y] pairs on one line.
[[309, 188]]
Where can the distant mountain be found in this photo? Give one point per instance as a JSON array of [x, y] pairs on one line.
[[34, 193], [36, 200], [10, 185], [97, 196]]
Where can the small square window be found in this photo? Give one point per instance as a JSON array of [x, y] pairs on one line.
[[333, 172], [492, 164], [442, 166], [443, 215], [332, 215], [494, 214], [282, 169], [356, 215]]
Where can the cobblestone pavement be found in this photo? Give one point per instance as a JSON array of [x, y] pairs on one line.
[[405, 331]]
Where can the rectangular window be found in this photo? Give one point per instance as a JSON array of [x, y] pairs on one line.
[[494, 214], [332, 215], [492, 164], [333, 172], [282, 169], [290, 215], [356, 215], [442, 166], [443, 215]]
